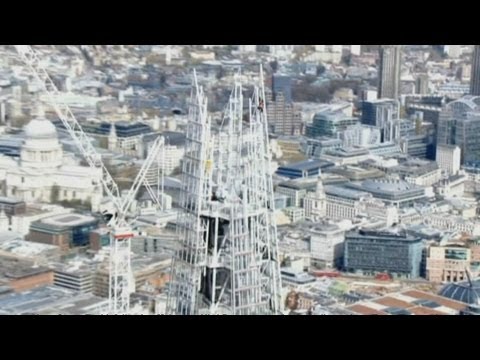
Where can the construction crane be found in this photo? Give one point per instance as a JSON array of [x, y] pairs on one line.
[[121, 283]]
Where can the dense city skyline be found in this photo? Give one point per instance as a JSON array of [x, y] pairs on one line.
[[240, 179]]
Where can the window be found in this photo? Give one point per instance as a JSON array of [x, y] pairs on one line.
[[23, 180]]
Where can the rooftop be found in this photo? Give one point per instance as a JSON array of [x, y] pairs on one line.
[[344, 192], [307, 165], [14, 244], [387, 185], [466, 292], [68, 220], [12, 268], [49, 300], [408, 302]]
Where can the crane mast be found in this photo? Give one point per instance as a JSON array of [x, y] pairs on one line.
[[121, 282]]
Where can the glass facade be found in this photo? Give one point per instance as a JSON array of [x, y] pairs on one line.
[[372, 252], [80, 234], [329, 124]]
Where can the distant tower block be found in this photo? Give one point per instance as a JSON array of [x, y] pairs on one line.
[[112, 138], [3, 113], [228, 260], [389, 72], [448, 158], [475, 72]]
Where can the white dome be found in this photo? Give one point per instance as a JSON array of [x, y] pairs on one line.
[[40, 128]]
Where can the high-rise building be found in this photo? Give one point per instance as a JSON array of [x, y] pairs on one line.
[[475, 77], [389, 71], [283, 119], [282, 84], [372, 252], [421, 84], [380, 113], [448, 158], [227, 261], [459, 124], [360, 135], [329, 123]]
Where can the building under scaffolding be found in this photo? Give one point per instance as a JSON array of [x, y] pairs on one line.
[[228, 261]]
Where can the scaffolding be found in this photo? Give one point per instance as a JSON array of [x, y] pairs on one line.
[[228, 259]]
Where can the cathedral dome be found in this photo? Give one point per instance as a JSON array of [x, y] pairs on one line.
[[40, 128]]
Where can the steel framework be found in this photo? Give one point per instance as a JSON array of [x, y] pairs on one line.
[[228, 260]]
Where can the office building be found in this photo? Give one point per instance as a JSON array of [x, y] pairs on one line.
[[65, 231], [419, 146], [21, 275], [295, 214], [448, 263], [459, 124], [421, 84], [448, 158], [329, 123], [295, 191], [389, 71], [77, 277], [317, 147], [302, 169], [283, 118], [326, 246], [399, 193], [372, 252], [417, 171], [360, 135], [475, 77], [343, 203], [380, 112], [282, 84]]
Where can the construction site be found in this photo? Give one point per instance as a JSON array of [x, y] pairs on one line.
[[236, 180], [226, 260]]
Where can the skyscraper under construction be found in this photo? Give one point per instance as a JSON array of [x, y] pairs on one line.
[[228, 259]]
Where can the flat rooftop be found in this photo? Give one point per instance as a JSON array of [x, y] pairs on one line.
[[307, 165], [10, 200], [408, 302], [19, 247], [68, 220], [12, 268], [49, 300]]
